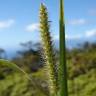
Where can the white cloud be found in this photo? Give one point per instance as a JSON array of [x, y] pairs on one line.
[[32, 27], [86, 34], [77, 22], [83, 35], [71, 37], [90, 33], [6, 24]]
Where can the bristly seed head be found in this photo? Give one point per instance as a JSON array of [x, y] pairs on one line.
[[48, 50]]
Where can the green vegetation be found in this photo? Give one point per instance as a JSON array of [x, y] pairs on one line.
[[19, 83], [32, 75], [81, 66]]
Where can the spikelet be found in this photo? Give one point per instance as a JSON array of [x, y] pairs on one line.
[[48, 51]]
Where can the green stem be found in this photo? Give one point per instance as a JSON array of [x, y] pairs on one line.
[[62, 75]]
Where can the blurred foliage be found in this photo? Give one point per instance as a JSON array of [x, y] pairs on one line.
[[2, 54], [29, 57], [81, 64]]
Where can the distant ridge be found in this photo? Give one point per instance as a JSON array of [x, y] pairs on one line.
[[11, 52]]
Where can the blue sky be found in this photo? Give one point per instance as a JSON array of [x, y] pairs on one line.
[[19, 20]]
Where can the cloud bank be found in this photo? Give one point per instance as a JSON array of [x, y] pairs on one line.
[[32, 27], [6, 24], [87, 34]]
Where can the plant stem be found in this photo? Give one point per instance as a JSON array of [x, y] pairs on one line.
[[62, 75]]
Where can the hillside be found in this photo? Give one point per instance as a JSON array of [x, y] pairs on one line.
[[16, 83]]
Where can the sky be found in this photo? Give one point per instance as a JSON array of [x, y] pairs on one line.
[[19, 20]]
